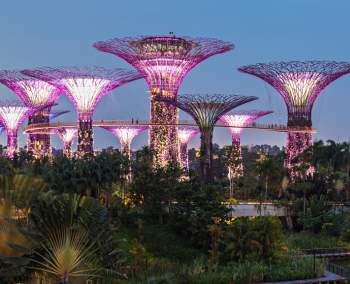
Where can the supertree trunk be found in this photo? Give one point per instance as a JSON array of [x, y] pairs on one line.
[[125, 148], [205, 153], [68, 148], [296, 144], [237, 169], [39, 144], [85, 138], [11, 144], [164, 139], [184, 155]]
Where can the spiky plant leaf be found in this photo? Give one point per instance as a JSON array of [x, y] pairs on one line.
[[12, 271], [15, 260], [23, 249]]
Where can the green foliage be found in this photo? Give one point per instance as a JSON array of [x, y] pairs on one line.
[[294, 241]]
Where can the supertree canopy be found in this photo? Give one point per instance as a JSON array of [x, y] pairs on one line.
[[125, 135], [12, 114], [84, 87], [164, 61], [38, 94], [67, 135], [236, 120], [206, 110], [185, 135], [56, 112], [299, 83]]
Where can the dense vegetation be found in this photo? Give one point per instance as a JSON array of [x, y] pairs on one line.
[[115, 220]]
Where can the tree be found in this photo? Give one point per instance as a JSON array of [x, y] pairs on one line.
[[267, 168]]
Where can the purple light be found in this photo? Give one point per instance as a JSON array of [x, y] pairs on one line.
[[164, 61], [84, 87], [185, 135], [12, 115], [34, 93], [206, 110], [125, 135], [237, 120], [299, 84], [67, 135], [56, 112]]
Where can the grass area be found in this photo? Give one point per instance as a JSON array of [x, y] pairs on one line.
[[160, 243], [294, 241]]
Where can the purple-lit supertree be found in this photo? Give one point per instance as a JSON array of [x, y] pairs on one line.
[[164, 61], [299, 83], [56, 112], [185, 135], [125, 135], [206, 110], [67, 135], [84, 87], [237, 120], [12, 114], [36, 94]]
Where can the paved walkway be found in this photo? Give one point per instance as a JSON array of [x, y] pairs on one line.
[[330, 278]]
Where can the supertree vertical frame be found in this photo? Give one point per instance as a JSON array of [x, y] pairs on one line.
[[37, 94], [185, 135], [125, 135], [56, 112], [236, 120], [206, 110], [12, 115], [164, 61], [299, 84], [67, 135], [84, 87]]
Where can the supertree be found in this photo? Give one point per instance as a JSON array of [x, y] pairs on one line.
[[36, 94], [67, 135], [12, 114], [56, 112], [84, 87], [125, 135], [206, 110], [185, 135], [299, 84], [164, 61], [236, 120]]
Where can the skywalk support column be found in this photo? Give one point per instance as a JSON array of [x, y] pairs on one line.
[[84, 87], [299, 84], [164, 61], [185, 135], [237, 120], [206, 111], [125, 135], [67, 135]]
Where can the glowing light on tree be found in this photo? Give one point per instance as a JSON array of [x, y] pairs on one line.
[[206, 110], [56, 112], [164, 61], [67, 135], [84, 87], [185, 135], [37, 94], [299, 83], [125, 135], [12, 115], [237, 120]]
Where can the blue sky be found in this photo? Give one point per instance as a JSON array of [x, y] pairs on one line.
[[61, 33]]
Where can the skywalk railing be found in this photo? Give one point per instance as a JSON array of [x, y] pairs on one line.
[[114, 122]]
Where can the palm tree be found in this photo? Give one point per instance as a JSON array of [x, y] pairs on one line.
[[267, 169], [331, 154]]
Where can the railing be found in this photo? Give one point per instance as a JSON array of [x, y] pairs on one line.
[[337, 269], [327, 252], [102, 122]]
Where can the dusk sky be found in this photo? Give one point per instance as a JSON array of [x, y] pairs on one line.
[[61, 33]]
